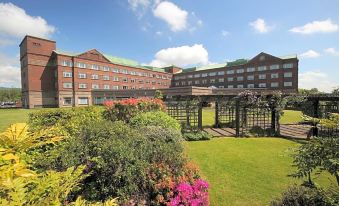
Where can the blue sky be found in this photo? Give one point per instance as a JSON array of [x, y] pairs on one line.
[[185, 33]]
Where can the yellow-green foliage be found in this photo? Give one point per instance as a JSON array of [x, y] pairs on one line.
[[82, 202]]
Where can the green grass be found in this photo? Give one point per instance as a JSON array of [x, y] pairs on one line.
[[208, 117], [290, 117], [245, 171], [10, 116]]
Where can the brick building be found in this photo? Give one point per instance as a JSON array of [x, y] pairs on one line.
[[53, 78]]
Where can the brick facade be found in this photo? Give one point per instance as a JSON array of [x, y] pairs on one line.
[[51, 78]]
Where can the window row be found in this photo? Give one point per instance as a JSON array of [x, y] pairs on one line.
[[260, 85], [68, 85]]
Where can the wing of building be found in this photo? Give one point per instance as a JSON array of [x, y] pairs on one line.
[[54, 78]]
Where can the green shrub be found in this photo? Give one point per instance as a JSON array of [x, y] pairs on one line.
[[157, 118], [197, 136]]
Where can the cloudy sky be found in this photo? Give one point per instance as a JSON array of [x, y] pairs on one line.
[[184, 33]]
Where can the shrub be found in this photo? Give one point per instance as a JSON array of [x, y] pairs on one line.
[[197, 136], [126, 109], [157, 118]]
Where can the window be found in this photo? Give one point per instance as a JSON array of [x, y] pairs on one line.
[[141, 81], [250, 69], [133, 80], [250, 77], [204, 75], [230, 72], [67, 74], [230, 86], [82, 76], [239, 71], [82, 86], [98, 100], [196, 82], [67, 101], [183, 83], [196, 75], [288, 66], [123, 71], [105, 77], [189, 76], [221, 80], [240, 86], [95, 86], [81, 65], [230, 79], [287, 84], [189, 83], [212, 74], [124, 87], [95, 67], [262, 68], [221, 87], [153, 82], [95, 76], [288, 74], [262, 85], [250, 86], [262, 76], [241, 78], [262, 58], [115, 70], [176, 78], [204, 81], [177, 83], [124, 79], [115, 87], [106, 69], [221, 73], [212, 80], [274, 84], [106, 86], [83, 100], [67, 85], [274, 76], [66, 63], [274, 66]]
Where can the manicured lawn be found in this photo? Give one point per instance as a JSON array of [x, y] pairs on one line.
[[245, 171], [10, 116], [291, 116], [208, 115]]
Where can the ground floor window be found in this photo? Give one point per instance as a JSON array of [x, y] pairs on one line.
[[98, 100], [83, 100], [67, 100]]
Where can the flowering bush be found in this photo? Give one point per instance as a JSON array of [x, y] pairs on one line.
[[248, 98], [195, 194], [126, 109]]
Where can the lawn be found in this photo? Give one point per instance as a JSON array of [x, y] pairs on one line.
[[245, 171], [10, 116]]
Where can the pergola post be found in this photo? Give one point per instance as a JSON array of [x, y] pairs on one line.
[[200, 115], [237, 118], [216, 120]]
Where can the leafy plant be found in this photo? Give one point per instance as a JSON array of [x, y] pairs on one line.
[[197, 136]]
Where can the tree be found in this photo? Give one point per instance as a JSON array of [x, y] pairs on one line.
[[158, 94], [335, 91], [308, 92]]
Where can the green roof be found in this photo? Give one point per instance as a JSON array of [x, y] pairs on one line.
[[237, 62], [119, 60]]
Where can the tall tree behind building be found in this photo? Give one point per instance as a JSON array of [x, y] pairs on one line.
[[10, 94]]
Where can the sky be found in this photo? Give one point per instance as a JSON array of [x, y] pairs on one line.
[[184, 33]]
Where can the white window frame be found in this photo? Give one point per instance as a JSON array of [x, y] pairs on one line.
[[67, 74], [274, 75], [83, 98], [82, 86], [288, 74], [67, 83], [261, 68], [262, 76]]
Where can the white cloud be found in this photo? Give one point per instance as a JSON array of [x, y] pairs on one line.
[[314, 79], [174, 16], [159, 33], [326, 26], [10, 75], [15, 22], [199, 22], [139, 7], [225, 33], [310, 54], [260, 26], [332, 51], [181, 56]]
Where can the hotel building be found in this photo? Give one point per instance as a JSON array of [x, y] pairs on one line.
[[54, 78]]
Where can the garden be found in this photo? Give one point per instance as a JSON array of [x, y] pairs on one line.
[[131, 152]]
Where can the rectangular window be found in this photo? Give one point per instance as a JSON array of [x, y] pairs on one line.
[[95, 86], [106, 86], [221, 87], [262, 85], [189, 83], [240, 86], [115, 87], [67, 74], [204, 81], [83, 100], [212, 80], [183, 83], [250, 69], [274, 84], [240, 78], [230, 79], [67, 101], [230, 72], [288, 74], [274, 66], [239, 71], [82, 86], [98, 100], [123, 71], [287, 84], [67, 85], [288, 66], [66, 63], [189, 76], [250, 86], [221, 73], [262, 76], [106, 69], [81, 65], [115, 70], [274, 76], [196, 75], [82, 76], [95, 76], [196, 82], [250, 77], [95, 67], [230, 86], [221, 80], [176, 78], [204, 75], [124, 80], [177, 83], [212, 74], [124, 87], [105, 77], [262, 68]]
